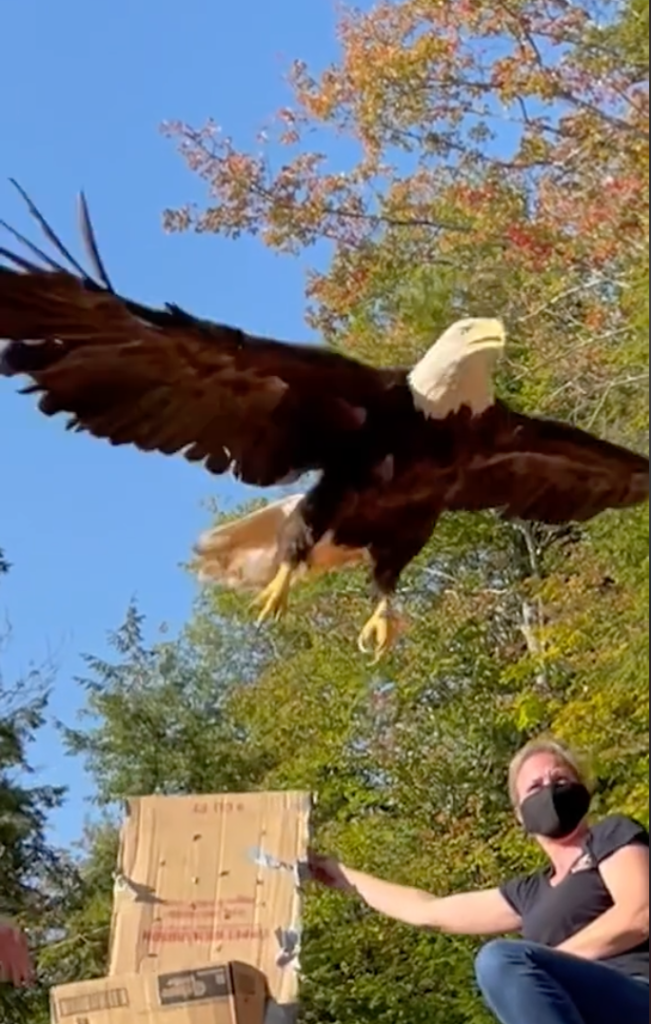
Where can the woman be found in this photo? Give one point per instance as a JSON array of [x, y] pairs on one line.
[[584, 956]]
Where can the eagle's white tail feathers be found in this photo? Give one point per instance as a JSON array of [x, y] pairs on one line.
[[243, 555]]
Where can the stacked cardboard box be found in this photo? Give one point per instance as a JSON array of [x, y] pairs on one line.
[[206, 914]]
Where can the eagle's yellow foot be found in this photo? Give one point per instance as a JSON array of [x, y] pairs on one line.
[[274, 599], [379, 632]]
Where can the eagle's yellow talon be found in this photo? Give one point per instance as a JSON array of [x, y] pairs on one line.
[[274, 599], [379, 632]]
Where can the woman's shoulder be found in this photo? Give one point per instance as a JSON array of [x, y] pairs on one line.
[[614, 832]]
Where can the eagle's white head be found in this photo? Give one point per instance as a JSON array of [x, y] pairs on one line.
[[458, 369]]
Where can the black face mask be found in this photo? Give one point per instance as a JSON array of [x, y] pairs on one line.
[[556, 810]]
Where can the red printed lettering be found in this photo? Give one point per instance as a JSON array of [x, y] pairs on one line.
[[186, 936], [214, 913], [226, 909]]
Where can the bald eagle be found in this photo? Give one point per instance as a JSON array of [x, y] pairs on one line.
[[393, 449]]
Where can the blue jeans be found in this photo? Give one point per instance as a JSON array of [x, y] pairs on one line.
[[523, 983]]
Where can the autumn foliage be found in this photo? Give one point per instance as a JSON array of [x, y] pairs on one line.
[[486, 156], [504, 140]]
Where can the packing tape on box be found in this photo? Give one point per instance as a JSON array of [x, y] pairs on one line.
[[140, 893], [299, 869], [289, 939]]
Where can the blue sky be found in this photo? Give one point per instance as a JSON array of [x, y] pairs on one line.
[[87, 527]]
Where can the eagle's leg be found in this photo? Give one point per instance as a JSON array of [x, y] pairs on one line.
[[274, 599], [302, 532], [389, 560], [379, 632]]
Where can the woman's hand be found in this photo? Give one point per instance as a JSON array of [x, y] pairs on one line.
[[328, 871]]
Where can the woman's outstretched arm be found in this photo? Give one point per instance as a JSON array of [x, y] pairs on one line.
[[473, 913]]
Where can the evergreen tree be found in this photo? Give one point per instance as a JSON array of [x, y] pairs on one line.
[[32, 873]]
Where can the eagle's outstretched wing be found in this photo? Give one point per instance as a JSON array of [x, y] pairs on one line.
[[165, 381], [543, 470]]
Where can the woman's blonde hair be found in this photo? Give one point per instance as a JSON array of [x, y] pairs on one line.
[[547, 745]]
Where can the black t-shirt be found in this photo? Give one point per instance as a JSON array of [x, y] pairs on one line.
[[551, 914]]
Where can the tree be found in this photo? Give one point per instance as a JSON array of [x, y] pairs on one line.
[[548, 225], [538, 215], [79, 947], [160, 709], [32, 873]]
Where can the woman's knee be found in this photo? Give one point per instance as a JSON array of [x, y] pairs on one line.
[[495, 959]]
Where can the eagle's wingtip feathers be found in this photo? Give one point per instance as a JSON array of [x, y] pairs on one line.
[[10, 353]]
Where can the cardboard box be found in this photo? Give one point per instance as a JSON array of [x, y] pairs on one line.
[[221, 994], [209, 879]]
